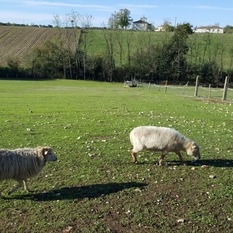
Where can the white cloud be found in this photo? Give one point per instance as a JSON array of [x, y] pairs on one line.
[[64, 4], [25, 18], [213, 8], [204, 7], [142, 6]]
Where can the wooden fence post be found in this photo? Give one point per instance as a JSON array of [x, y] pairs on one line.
[[209, 90], [149, 86], [224, 95], [165, 87], [196, 86]]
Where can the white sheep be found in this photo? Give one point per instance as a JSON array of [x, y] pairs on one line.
[[23, 163], [161, 139]]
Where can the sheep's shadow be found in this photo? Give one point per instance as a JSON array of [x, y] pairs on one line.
[[227, 163], [208, 162], [80, 192]]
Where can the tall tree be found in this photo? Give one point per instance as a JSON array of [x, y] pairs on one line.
[[121, 19], [185, 28], [113, 22], [167, 26], [109, 56], [124, 18], [175, 54], [166, 61]]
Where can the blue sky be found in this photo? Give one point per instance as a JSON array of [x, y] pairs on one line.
[[195, 12]]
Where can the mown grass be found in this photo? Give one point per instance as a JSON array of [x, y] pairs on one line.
[[94, 186]]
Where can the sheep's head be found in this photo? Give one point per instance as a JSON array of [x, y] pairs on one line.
[[47, 153], [194, 150]]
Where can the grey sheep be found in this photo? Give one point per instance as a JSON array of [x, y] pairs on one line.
[[162, 139], [23, 163]]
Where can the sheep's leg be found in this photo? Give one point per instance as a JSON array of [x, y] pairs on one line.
[[14, 189], [180, 157], [1, 193], [134, 156], [25, 186], [162, 158], [1, 196], [20, 184]]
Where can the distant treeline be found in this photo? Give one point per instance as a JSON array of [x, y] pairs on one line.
[[44, 26], [227, 28], [25, 25]]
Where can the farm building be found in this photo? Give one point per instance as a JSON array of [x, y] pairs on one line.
[[209, 29], [141, 25], [160, 29], [132, 83]]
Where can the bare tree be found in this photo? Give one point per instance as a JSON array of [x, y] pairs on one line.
[[120, 40], [72, 39], [110, 63], [113, 22], [86, 21], [85, 39], [129, 41]]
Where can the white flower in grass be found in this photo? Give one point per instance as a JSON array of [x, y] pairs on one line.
[[181, 220]]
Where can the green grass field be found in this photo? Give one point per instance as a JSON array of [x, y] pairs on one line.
[[202, 46], [94, 186]]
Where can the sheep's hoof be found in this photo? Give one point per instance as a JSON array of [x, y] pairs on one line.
[[29, 191], [161, 163]]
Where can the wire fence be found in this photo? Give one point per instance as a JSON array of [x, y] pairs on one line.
[[186, 90]]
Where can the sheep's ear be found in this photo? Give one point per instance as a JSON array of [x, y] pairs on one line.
[[194, 146], [45, 151]]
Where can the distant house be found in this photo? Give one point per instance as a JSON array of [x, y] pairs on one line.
[[160, 29], [141, 25], [209, 29]]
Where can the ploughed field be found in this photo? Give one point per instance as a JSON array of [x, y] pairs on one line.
[[17, 43]]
